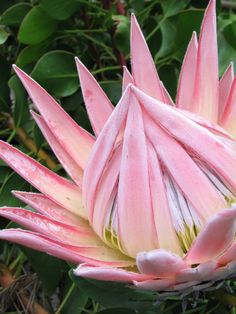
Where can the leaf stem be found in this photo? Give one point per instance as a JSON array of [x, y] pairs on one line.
[[65, 299], [29, 143], [77, 31]]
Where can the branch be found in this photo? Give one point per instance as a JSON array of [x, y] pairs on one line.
[[228, 5], [14, 287]]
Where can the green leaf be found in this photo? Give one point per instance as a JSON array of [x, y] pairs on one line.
[[122, 33], [168, 76], [112, 89], [230, 34], [227, 53], [60, 9], [48, 268], [56, 71], [36, 27], [74, 299], [168, 32], [187, 22], [21, 109], [30, 54], [4, 5], [11, 182], [137, 5], [4, 173], [3, 36], [38, 136], [172, 7], [117, 311], [14, 15], [116, 295], [154, 42], [4, 90], [74, 105]]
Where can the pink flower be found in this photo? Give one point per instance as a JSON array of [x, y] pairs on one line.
[[151, 197]]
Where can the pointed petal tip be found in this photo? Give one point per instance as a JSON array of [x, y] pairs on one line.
[[134, 25], [143, 67], [132, 87], [79, 63], [133, 15], [194, 36], [136, 91], [18, 70], [127, 78], [34, 114], [211, 8], [98, 105], [15, 192], [125, 69], [128, 89], [205, 99], [80, 67], [18, 194]]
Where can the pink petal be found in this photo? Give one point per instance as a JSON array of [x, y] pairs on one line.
[[198, 273], [209, 244], [223, 272], [106, 193], [184, 98], [97, 256], [154, 285], [185, 172], [102, 151], [133, 191], [206, 80], [229, 114], [143, 68], [108, 274], [224, 88], [160, 263], [72, 168], [98, 105], [77, 236], [127, 79], [228, 256], [166, 232], [75, 140], [195, 138], [211, 126], [48, 208], [58, 189]]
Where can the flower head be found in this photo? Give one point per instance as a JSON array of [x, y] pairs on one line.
[[151, 196]]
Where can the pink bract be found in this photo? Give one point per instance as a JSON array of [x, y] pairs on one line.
[[148, 192]]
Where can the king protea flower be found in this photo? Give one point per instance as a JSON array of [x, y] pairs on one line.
[[150, 200]]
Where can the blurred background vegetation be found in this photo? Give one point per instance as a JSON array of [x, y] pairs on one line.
[[43, 37]]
